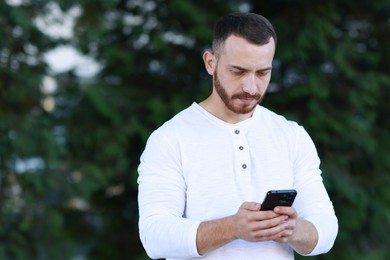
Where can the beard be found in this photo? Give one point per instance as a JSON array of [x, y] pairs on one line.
[[229, 101]]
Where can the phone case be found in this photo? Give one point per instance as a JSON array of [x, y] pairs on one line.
[[278, 198]]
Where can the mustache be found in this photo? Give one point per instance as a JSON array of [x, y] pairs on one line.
[[246, 95]]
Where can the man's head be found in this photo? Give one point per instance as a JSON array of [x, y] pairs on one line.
[[240, 63], [252, 27]]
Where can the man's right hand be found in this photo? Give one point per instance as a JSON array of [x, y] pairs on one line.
[[251, 224]]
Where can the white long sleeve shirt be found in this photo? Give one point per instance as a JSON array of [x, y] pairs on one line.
[[197, 167]]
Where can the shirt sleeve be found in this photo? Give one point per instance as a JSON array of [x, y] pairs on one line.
[[164, 232], [313, 202]]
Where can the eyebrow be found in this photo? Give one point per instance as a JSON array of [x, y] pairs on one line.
[[244, 69]]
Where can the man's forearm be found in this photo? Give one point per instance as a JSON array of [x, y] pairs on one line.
[[214, 234], [305, 237]]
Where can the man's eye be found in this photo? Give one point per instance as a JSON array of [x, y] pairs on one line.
[[263, 73], [238, 72]]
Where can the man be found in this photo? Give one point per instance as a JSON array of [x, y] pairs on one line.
[[204, 172]]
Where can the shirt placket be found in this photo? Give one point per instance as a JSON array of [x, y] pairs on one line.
[[241, 152]]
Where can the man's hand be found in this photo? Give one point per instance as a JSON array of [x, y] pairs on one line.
[[299, 233], [249, 223], [289, 225], [255, 225]]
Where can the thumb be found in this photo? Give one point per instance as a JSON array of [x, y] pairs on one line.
[[253, 206]]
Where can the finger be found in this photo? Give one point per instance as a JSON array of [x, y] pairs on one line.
[[270, 223], [289, 211], [284, 236], [276, 233], [262, 230], [253, 206]]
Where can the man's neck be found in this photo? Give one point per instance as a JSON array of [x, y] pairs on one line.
[[218, 109]]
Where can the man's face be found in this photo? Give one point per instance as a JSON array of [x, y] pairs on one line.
[[232, 102], [242, 73]]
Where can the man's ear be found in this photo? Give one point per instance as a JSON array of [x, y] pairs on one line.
[[210, 62]]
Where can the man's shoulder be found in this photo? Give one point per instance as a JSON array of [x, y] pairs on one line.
[[273, 118], [280, 126], [182, 118], [181, 122]]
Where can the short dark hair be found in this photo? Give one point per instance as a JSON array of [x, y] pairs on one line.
[[250, 26]]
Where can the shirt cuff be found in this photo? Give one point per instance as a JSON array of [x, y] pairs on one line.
[[327, 228]]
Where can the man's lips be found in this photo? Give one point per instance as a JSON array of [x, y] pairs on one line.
[[247, 100], [247, 96]]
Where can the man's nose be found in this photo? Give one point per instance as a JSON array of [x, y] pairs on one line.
[[249, 84]]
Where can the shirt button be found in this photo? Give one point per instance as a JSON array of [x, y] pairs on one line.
[[237, 132], [241, 148], [244, 166]]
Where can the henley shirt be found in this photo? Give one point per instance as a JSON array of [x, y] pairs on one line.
[[196, 167]]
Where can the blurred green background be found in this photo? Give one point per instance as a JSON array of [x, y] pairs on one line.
[[70, 139]]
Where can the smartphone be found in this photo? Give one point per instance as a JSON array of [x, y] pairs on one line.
[[275, 198]]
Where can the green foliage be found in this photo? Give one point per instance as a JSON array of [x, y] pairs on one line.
[[68, 176], [337, 52]]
